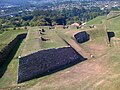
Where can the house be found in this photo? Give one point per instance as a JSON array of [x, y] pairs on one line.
[[76, 24], [59, 26]]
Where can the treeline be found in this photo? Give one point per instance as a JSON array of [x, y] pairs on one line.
[[52, 17]]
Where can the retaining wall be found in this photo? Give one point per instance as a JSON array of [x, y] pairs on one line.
[[4, 53], [82, 37], [46, 61]]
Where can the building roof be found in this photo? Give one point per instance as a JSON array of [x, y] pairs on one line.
[[76, 24]]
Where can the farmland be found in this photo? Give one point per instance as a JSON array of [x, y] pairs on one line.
[[99, 73]]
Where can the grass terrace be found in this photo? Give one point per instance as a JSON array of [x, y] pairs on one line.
[[99, 73], [97, 20], [7, 36], [33, 42]]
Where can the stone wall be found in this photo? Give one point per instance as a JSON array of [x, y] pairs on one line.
[[4, 53], [45, 62]]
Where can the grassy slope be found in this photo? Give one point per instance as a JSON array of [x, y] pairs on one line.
[[6, 81], [9, 77], [100, 74], [97, 20], [7, 36], [9, 68], [111, 80], [34, 43], [114, 25]]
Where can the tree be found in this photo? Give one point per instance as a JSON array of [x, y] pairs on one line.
[[76, 19]]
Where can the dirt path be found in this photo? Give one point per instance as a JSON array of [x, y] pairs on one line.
[[116, 42], [76, 46], [79, 77]]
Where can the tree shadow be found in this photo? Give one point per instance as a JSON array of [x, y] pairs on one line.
[[110, 35], [4, 66]]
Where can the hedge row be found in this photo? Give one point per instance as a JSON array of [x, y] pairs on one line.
[[46, 61], [82, 37], [4, 53]]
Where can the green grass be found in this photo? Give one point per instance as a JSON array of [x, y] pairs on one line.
[[62, 80], [54, 42], [114, 25], [97, 20], [113, 21], [98, 35], [10, 68], [1, 32], [7, 36], [8, 71], [34, 42], [113, 14]]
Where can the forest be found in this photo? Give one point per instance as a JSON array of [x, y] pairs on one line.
[[51, 17]]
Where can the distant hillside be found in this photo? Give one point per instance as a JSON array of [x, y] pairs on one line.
[[14, 1], [97, 20], [43, 1]]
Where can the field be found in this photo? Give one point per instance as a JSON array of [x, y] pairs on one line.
[[7, 36], [97, 20], [99, 73], [34, 42]]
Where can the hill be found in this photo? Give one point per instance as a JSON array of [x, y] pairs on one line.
[[101, 72]]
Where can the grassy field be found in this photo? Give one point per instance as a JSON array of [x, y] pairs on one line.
[[34, 42], [97, 20], [99, 73], [114, 25], [7, 36], [8, 71]]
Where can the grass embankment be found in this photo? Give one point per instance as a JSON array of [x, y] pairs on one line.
[[7, 36], [113, 25], [101, 73], [97, 20], [34, 42], [8, 71]]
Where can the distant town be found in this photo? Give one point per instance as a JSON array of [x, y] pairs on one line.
[[13, 9]]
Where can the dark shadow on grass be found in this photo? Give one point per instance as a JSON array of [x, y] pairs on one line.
[[110, 35], [4, 66]]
